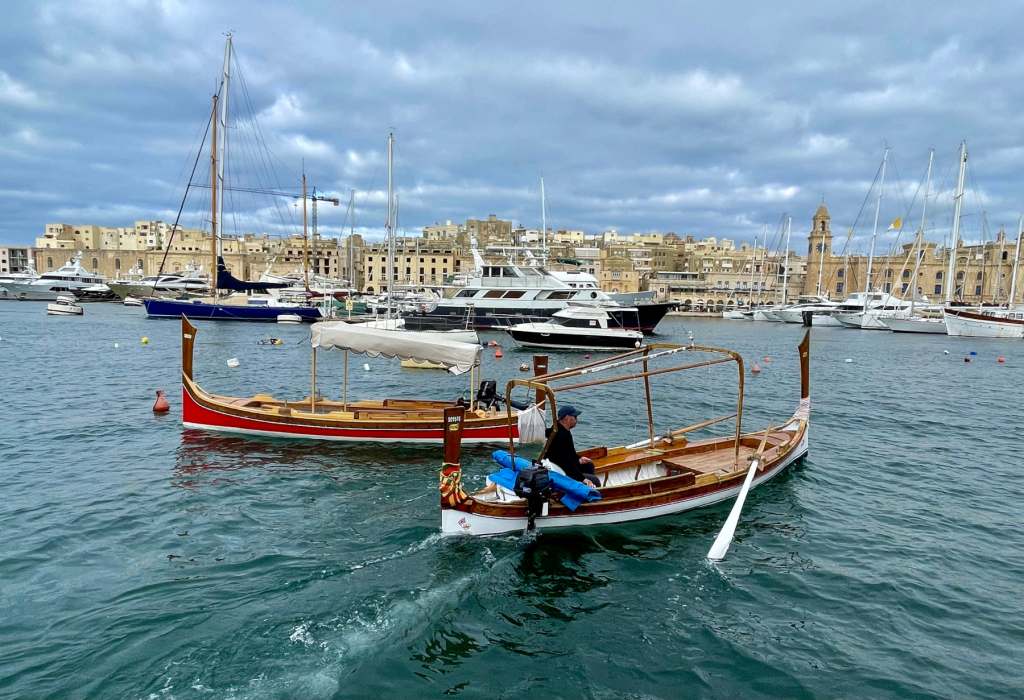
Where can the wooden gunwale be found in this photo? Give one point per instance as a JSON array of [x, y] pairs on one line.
[[651, 492]]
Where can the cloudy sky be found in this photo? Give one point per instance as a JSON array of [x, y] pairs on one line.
[[702, 118]]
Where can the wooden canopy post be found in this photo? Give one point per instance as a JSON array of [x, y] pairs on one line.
[[647, 394], [312, 395], [540, 368], [739, 408], [344, 387]]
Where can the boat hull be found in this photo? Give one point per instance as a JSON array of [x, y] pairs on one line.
[[971, 324], [644, 319], [455, 521], [202, 412], [916, 325], [570, 341], [166, 308]]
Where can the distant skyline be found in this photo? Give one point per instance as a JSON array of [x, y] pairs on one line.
[[711, 121]]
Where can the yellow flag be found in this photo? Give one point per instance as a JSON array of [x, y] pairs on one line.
[[896, 225]]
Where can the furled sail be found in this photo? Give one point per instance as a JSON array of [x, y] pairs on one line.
[[225, 280]]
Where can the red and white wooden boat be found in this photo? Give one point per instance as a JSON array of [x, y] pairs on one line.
[[659, 475], [377, 420]]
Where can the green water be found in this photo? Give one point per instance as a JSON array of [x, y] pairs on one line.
[[141, 560]]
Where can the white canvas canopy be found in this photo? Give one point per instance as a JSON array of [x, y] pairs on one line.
[[454, 356]]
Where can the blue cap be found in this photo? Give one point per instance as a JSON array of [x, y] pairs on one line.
[[567, 410]]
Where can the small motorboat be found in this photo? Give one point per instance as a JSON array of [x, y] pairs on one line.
[[289, 318], [577, 328], [64, 306], [132, 301]]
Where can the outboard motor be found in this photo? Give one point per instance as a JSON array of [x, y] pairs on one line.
[[533, 484], [487, 394]]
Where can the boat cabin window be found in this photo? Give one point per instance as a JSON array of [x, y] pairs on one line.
[[494, 294], [579, 322], [514, 294], [560, 295], [466, 293]]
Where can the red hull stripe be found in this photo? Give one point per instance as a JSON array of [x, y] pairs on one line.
[[197, 415]]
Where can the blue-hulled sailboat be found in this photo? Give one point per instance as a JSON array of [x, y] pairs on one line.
[[232, 299]]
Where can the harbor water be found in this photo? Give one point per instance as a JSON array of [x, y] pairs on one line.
[[143, 560]]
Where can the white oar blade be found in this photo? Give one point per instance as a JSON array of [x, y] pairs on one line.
[[724, 539]]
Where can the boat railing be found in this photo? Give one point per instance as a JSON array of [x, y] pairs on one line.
[[546, 386]]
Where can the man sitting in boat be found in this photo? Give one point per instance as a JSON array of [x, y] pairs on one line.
[[562, 450]]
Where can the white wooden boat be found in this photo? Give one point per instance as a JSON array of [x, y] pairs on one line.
[[986, 323], [658, 475]]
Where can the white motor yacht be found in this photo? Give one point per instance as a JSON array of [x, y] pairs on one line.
[[812, 304], [69, 278], [577, 328]]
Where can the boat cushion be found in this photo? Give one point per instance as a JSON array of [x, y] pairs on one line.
[[573, 493]]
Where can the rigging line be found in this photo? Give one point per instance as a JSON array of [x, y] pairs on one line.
[[184, 197], [266, 155]]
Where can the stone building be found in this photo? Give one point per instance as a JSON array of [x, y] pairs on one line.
[[489, 231], [418, 263], [981, 274]]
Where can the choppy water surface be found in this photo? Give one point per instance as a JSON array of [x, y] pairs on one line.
[[142, 560]]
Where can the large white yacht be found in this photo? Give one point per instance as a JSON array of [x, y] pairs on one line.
[[811, 304], [191, 281], [71, 277], [865, 310], [26, 276], [501, 295]]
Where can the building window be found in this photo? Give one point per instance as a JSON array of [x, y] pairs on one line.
[[49, 263], [839, 287], [938, 275], [903, 288], [978, 276], [95, 264], [906, 274], [138, 263], [960, 275], [117, 263], [888, 287], [938, 289], [977, 290], [840, 274]]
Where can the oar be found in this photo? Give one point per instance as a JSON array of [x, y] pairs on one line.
[[724, 539]]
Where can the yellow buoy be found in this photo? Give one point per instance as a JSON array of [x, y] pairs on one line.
[[145, 340]]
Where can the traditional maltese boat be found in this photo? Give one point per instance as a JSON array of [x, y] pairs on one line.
[[376, 420], [659, 475]]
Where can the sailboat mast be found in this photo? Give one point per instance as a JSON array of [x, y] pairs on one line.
[[389, 226], [351, 232], [1016, 263], [753, 259], [305, 236], [223, 156], [785, 272], [955, 243], [920, 233], [213, 200], [543, 225], [874, 232]]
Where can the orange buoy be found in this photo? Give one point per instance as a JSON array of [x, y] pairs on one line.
[[767, 359], [498, 353], [756, 369], [161, 405], [1000, 359], [492, 343]]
